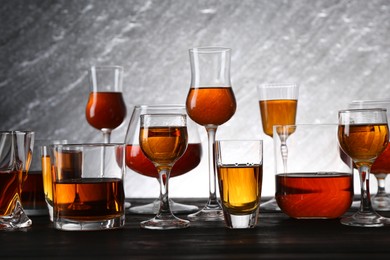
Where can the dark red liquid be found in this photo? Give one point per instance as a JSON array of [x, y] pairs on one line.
[[137, 161], [105, 110], [10, 189], [382, 163], [33, 196]]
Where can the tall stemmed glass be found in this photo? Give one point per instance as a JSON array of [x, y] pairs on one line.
[[210, 103], [163, 139], [363, 135], [105, 109], [278, 106], [138, 162], [381, 167]]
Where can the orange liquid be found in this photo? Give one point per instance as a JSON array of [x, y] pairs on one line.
[[382, 163], [105, 110], [211, 106], [312, 195], [137, 161], [33, 196], [10, 189], [363, 143], [277, 112]]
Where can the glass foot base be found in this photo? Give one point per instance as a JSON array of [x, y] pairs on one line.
[[365, 219], [271, 205], [381, 202], [18, 219], [152, 208], [208, 214], [165, 222]]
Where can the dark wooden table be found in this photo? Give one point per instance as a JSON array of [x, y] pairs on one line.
[[276, 237]]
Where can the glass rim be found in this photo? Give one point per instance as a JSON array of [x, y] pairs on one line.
[[160, 106], [349, 110], [374, 101], [17, 132], [88, 145], [106, 67], [210, 49], [278, 85], [239, 140]]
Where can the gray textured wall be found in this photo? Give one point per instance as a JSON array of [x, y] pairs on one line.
[[337, 50]]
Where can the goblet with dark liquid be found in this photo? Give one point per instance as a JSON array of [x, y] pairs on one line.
[[381, 167], [106, 109], [138, 162], [278, 106], [163, 139], [210, 103], [363, 134]]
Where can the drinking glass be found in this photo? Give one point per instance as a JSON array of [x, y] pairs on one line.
[[163, 139], [138, 162], [88, 189], [381, 167], [16, 148], [105, 109], [210, 103], [278, 106], [363, 134], [314, 177], [240, 176]]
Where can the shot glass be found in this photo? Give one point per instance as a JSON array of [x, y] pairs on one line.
[[88, 191], [314, 177], [240, 176]]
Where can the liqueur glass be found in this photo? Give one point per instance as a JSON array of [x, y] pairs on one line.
[[163, 139], [105, 109], [363, 134], [139, 163], [278, 106], [210, 103], [381, 167]]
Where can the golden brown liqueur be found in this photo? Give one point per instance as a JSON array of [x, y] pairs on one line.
[[11, 190]]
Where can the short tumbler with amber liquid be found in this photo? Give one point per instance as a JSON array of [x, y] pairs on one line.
[[210, 102]]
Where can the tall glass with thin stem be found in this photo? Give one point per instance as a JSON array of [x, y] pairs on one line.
[[381, 167], [137, 161], [278, 106], [163, 139], [363, 134], [210, 103], [105, 109]]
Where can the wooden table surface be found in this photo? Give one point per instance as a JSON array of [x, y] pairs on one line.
[[276, 237]]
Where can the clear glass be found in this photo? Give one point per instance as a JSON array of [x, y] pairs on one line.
[[210, 103], [381, 167], [163, 139], [240, 178], [88, 189], [278, 103], [105, 109], [363, 134], [314, 177], [16, 149], [137, 162]]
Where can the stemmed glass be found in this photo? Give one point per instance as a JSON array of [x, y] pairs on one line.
[[163, 139], [138, 162], [105, 109], [381, 167], [363, 134], [278, 106], [210, 103]]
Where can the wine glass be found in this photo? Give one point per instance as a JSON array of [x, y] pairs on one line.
[[163, 139], [381, 167], [210, 103], [138, 162], [363, 134], [278, 106], [105, 109]]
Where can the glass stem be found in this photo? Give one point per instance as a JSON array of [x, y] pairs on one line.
[[106, 136], [365, 202], [381, 184], [164, 173], [213, 202]]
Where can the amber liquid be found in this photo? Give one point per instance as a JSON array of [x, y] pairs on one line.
[[382, 163], [240, 187], [47, 179], [10, 189], [33, 196], [105, 110], [138, 162], [314, 195], [211, 106], [100, 199], [163, 145], [363, 143], [277, 112]]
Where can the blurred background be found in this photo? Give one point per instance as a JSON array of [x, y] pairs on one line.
[[337, 50]]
